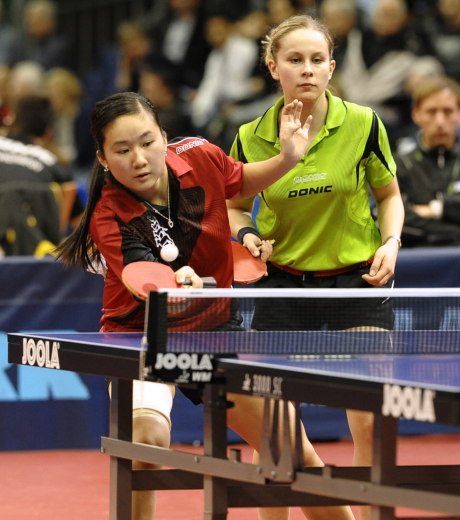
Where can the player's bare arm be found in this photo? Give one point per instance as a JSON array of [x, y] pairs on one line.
[[391, 218]]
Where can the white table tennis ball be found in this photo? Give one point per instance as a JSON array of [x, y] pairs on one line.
[[169, 252]]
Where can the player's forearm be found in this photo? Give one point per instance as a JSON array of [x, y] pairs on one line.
[[259, 175], [240, 215], [239, 219], [390, 216]]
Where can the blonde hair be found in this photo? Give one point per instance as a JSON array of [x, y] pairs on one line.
[[272, 41]]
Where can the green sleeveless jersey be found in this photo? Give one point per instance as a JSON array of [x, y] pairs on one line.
[[319, 213]]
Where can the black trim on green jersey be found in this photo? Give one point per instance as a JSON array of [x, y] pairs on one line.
[[241, 156], [372, 145]]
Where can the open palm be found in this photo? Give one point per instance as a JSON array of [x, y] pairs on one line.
[[294, 135]]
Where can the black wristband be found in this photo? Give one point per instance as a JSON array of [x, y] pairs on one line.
[[245, 230]]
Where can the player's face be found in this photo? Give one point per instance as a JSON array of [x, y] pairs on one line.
[[303, 65], [438, 116], [134, 152]]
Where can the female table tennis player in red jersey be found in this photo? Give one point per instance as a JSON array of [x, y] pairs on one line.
[[145, 195]]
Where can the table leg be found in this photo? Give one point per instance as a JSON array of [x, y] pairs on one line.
[[121, 469], [215, 445], [383, 470]]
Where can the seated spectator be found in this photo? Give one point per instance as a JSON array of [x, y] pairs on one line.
[[71, 134], [40, 40], [379, 61], [340, 17], [279, 10], [9, 37], [25, 78], [429, 169], [260, 90], [119, 65], [228, 72], [443, 28], [177, 30], [159, 85], [25, 159]]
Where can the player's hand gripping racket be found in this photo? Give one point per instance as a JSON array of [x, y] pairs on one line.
[[142, 277], [246, 268]]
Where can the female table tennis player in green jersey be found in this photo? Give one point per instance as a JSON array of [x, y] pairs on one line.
[[146, 194], [319, 213]]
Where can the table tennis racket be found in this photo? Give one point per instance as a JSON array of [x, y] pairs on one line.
[[246, 268], [142, 277]]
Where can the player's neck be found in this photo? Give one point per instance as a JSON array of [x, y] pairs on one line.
[[318, 109], [160, 195]]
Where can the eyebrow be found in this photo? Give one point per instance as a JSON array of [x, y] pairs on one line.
[[122, 141]]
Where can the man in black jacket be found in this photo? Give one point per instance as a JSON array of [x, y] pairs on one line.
[[36, 194], [429, 168]]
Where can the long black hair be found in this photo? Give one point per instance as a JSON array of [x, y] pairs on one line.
[[79, 249]]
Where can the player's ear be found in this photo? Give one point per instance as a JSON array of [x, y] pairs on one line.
[[331, 68], [101, 159], [272, 67]]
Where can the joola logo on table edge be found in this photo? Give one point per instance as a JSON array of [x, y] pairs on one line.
[[40, 353], [408, 402], [183, 361]]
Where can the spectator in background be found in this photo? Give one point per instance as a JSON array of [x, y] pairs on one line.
[[32, 211], [227, 75], [40, 41], [23, 79], [119, 66], [444, 31], [260, 93], [379, 61], [177, 30], [65, 92], [341, 17], [159, 85], [429, 168], [309, 7], [279, 10], [9, 38]]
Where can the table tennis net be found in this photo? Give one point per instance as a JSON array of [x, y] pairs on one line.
[[310, 322]]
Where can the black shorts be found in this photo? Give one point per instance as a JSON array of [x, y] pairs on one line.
[[320, 313]]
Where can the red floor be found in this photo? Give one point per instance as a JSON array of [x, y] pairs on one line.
[[73, 485]]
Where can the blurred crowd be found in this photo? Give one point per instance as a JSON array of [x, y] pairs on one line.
[[198, 61]]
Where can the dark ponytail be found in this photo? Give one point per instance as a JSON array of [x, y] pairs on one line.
[[78, 249]]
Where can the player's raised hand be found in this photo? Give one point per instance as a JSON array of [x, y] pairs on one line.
[[294, 135]]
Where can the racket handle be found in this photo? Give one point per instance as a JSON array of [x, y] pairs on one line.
[[209, 282]]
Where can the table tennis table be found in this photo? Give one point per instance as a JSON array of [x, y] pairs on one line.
[[411, 374]]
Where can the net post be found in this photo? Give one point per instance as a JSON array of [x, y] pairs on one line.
[[155, 325]]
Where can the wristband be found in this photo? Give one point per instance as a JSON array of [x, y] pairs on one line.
[[245, 230]]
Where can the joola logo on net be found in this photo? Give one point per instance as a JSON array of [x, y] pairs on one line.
[[309, 191], [40, 353], [410, 403], [183, 361]]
